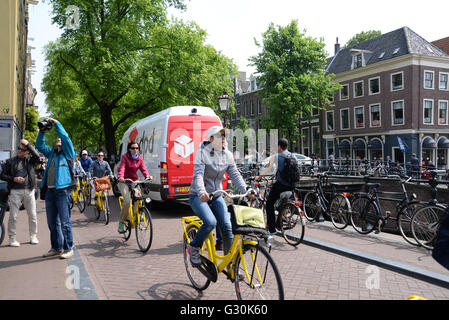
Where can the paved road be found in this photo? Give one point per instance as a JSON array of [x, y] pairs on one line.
[[110, 268]]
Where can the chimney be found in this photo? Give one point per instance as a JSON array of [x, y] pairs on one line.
[[337, 46]]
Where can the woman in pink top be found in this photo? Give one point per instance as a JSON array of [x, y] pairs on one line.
[[127, 169]]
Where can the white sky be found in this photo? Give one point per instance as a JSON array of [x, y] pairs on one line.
[[232, 25]]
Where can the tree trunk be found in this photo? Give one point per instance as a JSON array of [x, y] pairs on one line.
[[109, 132]]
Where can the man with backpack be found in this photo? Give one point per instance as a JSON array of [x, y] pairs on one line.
[[287, 175]]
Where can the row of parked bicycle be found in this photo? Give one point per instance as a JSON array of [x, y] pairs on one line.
[[354, 203]]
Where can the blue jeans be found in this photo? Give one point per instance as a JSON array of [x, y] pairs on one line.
[[217, 212], [58, 219]]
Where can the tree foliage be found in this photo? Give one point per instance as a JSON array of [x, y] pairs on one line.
[[293, 73], [31, 128], [126, 61], [362, 36]]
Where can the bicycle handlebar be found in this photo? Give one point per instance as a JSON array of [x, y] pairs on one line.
[[215, 193], [136, 182]]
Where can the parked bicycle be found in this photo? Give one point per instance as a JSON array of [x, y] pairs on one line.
[[287, 210], [139, 217], [252, 269]]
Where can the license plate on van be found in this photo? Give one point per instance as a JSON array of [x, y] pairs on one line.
[[182, 189]]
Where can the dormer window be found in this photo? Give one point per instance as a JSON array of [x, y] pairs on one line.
[[357, 61]]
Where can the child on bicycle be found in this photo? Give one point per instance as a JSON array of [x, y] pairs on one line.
[[211, 162], [127, 169]]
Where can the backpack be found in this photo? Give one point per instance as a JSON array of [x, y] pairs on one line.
[[290, 173]]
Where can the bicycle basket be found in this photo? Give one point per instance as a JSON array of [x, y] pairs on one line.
[[246, 220], [101, 184]]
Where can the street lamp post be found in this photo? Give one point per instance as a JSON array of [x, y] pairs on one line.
[[225, 103]]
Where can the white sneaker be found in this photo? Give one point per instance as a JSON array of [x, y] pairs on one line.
[[14, 243], [67, 254], [34, 240]]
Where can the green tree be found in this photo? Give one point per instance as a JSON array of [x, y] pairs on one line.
[[362, 36], [125, 61], [293, 72], [31, 128]]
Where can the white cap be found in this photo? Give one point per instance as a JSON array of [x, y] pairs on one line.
[[84, 152], [213, 131]]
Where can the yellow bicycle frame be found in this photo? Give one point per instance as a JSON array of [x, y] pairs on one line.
[[75, 191], [133, 217], [209, 245], [99, 202]]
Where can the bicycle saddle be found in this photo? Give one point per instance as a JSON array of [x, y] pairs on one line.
[[372, 185], [285, 195]]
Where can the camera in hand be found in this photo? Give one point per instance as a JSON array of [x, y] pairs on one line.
[[45, 125]]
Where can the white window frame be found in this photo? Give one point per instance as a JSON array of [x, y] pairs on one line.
[[447, 112], [344, 85], [313, 110], [403, 113], [354, 91], [349, 119], [391, 81], [431, 112], [433, 79], [369, 86], [439, 81], [333, 121], [370, 115], [355, 117]]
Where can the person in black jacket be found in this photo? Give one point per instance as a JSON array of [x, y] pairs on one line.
[[19, 172]]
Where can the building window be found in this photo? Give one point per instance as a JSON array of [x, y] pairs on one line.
[[374, 86], [359, 117], [442, 111], [259, 107], [428, 79], [246, 108], [344, 92], [305, 141], [357, 61], [315, 112], [329, 120], [428, 112], [444, 81], [397, 81], [344, 119], [397, 110], [358, 89], [374, 115], [316, 140], [252, 108]]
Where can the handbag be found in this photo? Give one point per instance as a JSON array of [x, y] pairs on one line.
[[101, 184]]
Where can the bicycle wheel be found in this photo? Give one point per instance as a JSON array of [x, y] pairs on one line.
[[404, 223], [198, 280], [127, 233], [292, 225], [81, 204], [311, 205], [257, 275], [364, 215], [144, 229], [106, 211], [340, 211], [426, 223]]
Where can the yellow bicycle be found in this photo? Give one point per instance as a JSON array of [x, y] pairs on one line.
[[247, 260], [102, 204], [77, 196], [87, 189], [139, 216]]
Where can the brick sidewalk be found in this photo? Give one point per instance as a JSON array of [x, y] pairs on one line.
[[112, 269], [24, 274]]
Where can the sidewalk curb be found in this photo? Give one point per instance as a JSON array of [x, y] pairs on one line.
[[419, 273], [86, 290]]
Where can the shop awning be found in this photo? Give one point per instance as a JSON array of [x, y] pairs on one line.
[[443, 143], [358, 145], [375, 145], [429, 143], [344, 145]]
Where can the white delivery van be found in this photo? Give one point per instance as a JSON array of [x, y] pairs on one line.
[[168, 141]]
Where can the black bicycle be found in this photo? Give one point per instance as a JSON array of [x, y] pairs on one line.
[[3, 208], [287, 210]]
